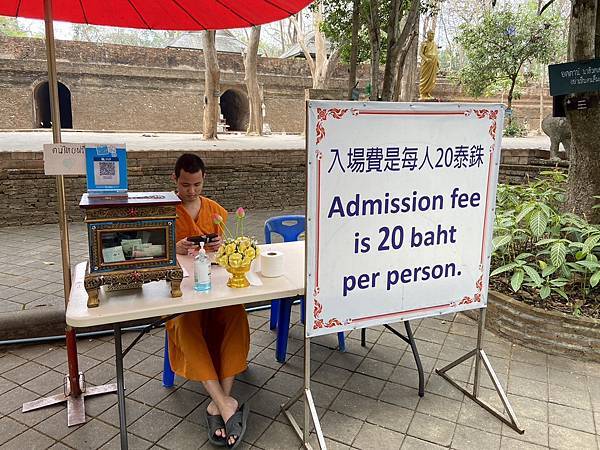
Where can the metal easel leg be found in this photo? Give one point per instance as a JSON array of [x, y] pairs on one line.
[[310, 411], [410, 340], [480, 357]]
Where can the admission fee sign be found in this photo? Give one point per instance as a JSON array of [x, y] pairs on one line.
[[400, 210]]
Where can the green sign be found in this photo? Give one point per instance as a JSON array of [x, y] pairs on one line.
[[569, 78]]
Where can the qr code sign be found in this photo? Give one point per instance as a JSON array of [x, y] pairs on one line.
[[106, 173], [107, 168]]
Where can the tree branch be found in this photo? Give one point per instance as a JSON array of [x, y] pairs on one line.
[[301, 39], [332, 63], [543, 8]]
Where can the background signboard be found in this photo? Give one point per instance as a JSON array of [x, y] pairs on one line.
[[64, 159], [400, 210], [573, 77]]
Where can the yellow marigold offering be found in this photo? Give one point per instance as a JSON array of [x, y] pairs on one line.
[[238, 251], [235, 260]]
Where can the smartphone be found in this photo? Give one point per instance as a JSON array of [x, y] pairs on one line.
[[206, 238]]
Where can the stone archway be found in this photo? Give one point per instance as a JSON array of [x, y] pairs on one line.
[[235, 109], [41, 100]]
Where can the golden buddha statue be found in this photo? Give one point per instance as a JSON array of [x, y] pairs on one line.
[[429, 67]]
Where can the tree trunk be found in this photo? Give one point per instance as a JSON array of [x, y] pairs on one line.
[[321, 66], [406, 87], [542, 92], [282, 36], [251, 79], [375, 39], [406, 65], [320, 49], [398, 51], [354, 48], [211, 85], [324, 64], [509, 99], [582, 32], [597, 40], [391, 60], [584, 158]]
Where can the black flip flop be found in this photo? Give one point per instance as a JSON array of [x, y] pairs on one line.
[[236, 425], [213, 423]]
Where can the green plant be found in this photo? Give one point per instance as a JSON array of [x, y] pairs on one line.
[[503, 45], [515, 129], [539, 249]]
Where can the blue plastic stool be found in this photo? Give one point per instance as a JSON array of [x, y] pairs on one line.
[[289, 228], [168, 378]]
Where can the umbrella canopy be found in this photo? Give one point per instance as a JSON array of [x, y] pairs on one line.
[[159, 15]]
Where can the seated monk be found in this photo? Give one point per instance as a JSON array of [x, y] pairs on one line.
[[210, 346]]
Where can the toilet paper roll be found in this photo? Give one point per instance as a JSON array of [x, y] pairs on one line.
[[271, 263]]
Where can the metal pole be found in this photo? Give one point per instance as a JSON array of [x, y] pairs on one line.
[[306, 430], [480, 328], [60, 194]]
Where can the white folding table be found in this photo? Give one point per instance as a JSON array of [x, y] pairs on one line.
[[154, 300]]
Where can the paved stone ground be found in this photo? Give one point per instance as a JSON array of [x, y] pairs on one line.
[[366, 397], [30, 140]]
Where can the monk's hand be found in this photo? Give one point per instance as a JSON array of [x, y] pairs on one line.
[[184, 246], [214, 245]]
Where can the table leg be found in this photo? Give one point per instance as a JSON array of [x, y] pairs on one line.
[[120, 386]]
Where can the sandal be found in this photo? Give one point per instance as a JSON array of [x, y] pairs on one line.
[[236, 425], [213, 423]]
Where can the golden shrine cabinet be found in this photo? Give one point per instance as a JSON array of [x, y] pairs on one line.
[[131, 241]]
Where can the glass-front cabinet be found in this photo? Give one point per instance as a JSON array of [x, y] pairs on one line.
[[131, 241], [120, 245]]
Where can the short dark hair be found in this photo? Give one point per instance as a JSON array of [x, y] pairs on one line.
[[190, 163]]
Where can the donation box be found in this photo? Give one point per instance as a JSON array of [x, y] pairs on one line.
[[131, 241]]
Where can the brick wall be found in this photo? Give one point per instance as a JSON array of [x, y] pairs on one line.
[[118, 87], [526, 108], [259, 179], [547, 331], [519, 165], [255, 179]]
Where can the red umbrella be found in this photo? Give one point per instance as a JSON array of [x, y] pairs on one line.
[[159, 14], [148, 14]]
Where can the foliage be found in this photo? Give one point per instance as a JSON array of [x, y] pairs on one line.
[[516, 128], [10, 26], [338, 25], [539, 250], [123, 36], [502, 44]]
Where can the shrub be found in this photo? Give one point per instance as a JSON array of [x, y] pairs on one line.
[[543, 254]]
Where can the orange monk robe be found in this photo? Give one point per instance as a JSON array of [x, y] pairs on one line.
[[211, 344]]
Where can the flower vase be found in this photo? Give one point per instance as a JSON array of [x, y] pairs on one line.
[[238, 276]]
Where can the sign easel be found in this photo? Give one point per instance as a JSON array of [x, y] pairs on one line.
[[400, 210]]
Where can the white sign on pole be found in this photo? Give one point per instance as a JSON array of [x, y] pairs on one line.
[[64, 159], [400, 210]]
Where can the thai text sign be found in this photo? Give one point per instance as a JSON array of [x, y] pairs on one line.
[[400, 210], [64, 159], [569, 78]]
